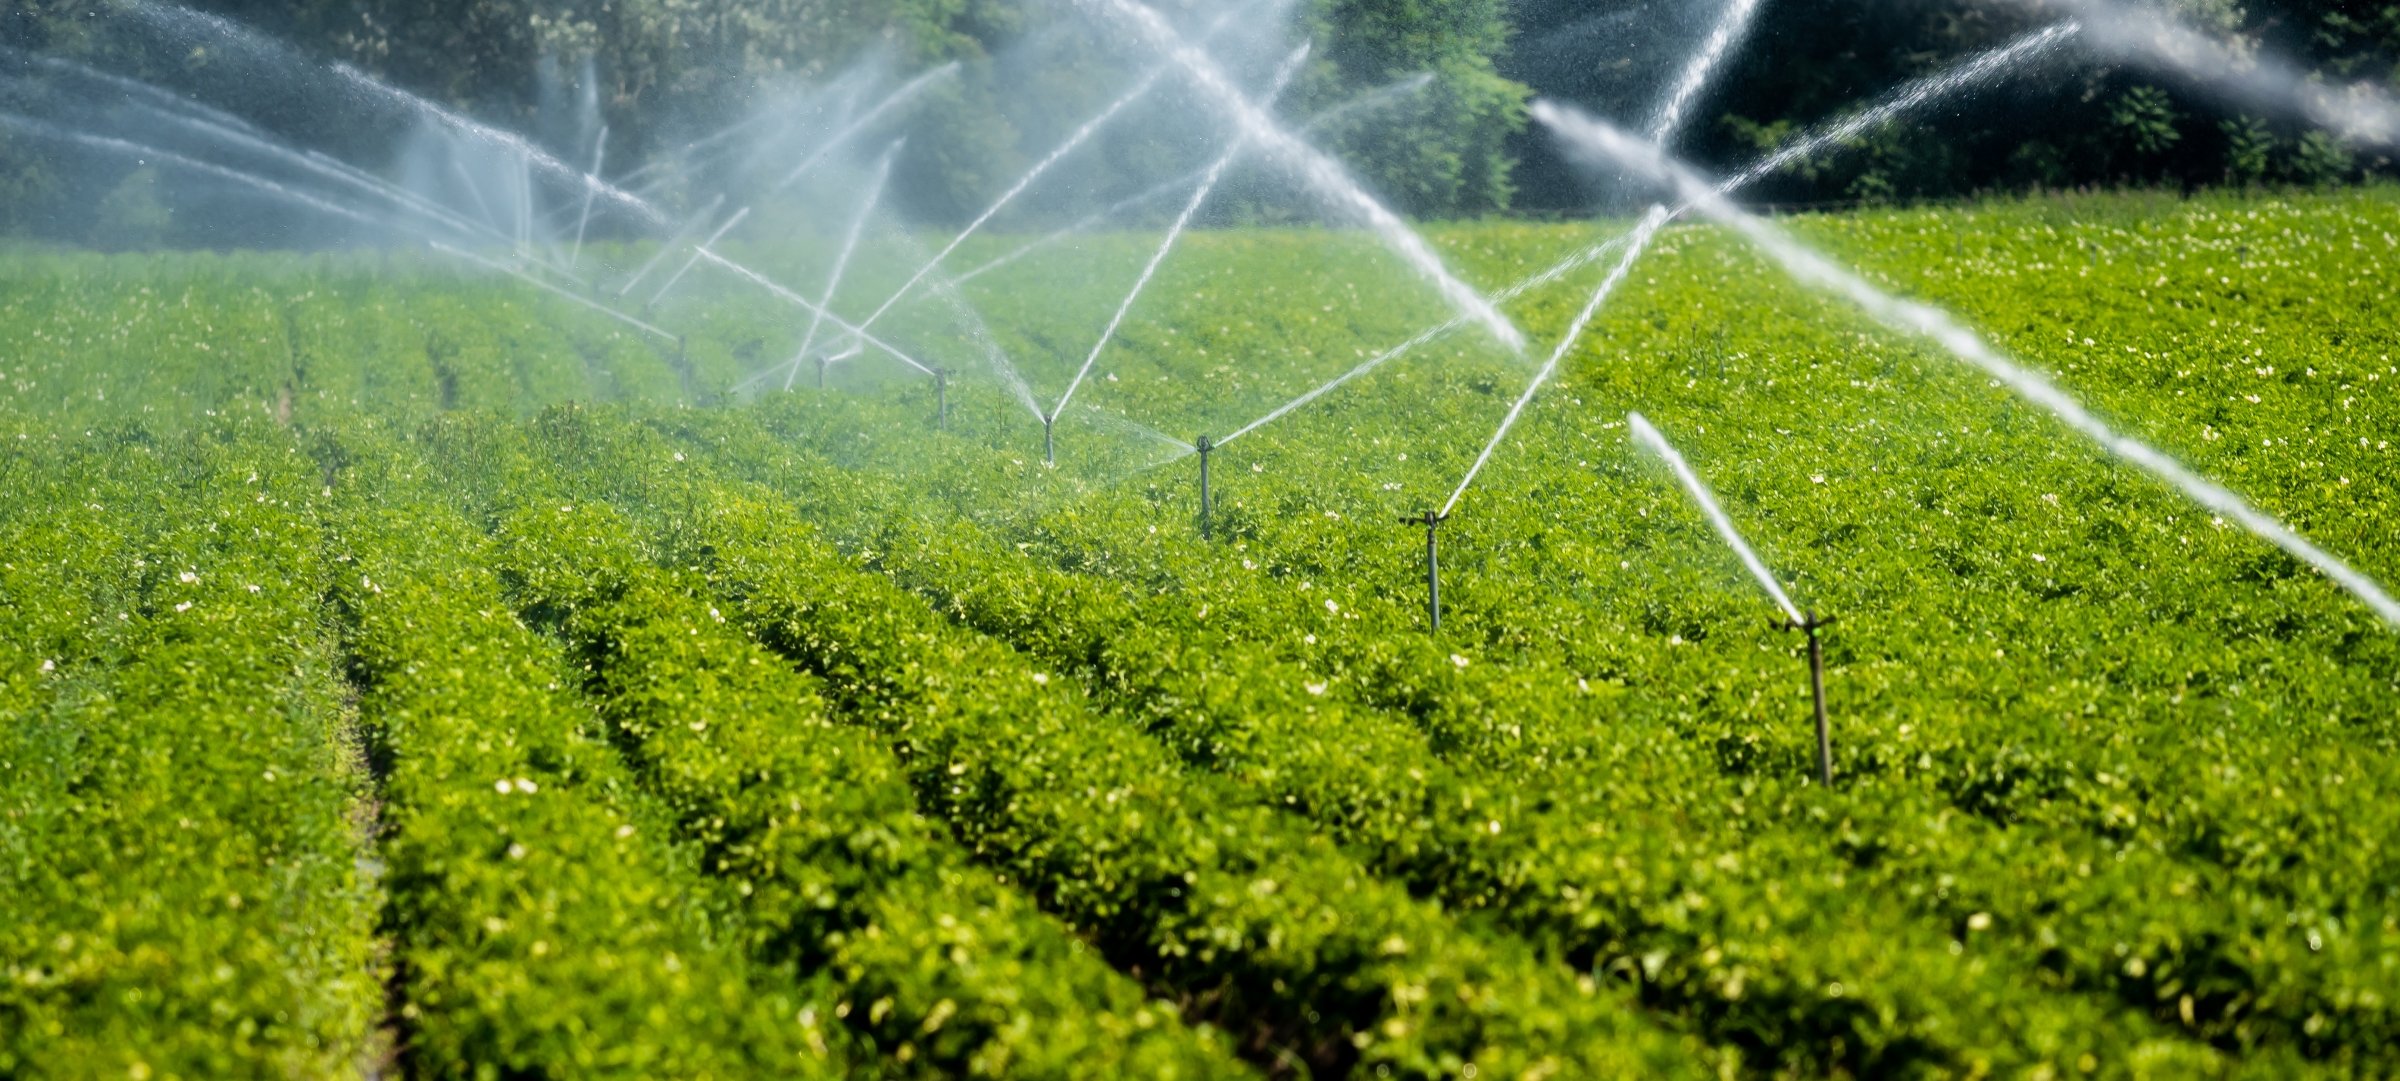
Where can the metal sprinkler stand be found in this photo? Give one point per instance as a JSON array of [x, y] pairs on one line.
[[1816, 687], [822, 363], [1432, 521], [1049, 439], [941, 399], [1204, 445]]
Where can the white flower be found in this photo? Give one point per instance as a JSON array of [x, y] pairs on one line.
[[187, 578], [1042, 678], [184, 607], [2040, 558], [679, 456], [1458, 660], [501, 786], [1330, 606], [1315, 688]]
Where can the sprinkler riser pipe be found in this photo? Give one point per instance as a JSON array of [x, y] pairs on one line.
[[1816, 687], [1204, 447], [941, 400], [1432, 521], [1433, 579], [1049, 441]]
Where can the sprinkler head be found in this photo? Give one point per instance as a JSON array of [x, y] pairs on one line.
[[1428, 519]]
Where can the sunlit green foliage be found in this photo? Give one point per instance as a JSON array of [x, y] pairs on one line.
[[549, 708]]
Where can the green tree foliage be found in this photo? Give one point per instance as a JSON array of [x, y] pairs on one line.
[[1448, 151], [2071, 124], [668, 69]]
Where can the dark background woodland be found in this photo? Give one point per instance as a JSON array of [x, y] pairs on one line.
[[667, 68]]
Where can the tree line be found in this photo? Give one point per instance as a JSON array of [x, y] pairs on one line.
[[1459, 146]]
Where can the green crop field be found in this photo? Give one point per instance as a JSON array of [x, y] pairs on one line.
[[411, 673]]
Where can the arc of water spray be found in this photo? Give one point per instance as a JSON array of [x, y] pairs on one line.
[[981, 335], [533, 155], [1321, 173], [1808, 266], [133, 88], [1191, 207], [1388, 92], [2363, 114], [841, 262], [524, 205], [178, 18], [762, 116], [475, 190], [894, 100], [805, 304], [1634, 247], [234, 131], [1657, 444], [1078, 138], [682, 232], [327, 165], [697, 252], [599, 158], [1729, 29], [145, 152], [1081, 135], [1910, 96], [1695, 77], [538, 283]]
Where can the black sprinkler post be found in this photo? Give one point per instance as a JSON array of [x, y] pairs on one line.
[[1432, 521], [1049, 439], [1816, 687], [941, 398], [1204, 446], [822, 364]]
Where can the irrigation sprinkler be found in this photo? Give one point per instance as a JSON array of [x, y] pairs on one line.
[[1794, 619], [1810, 625], [1432, 521], [1049, 439], [941, 399], [1204, 445]]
